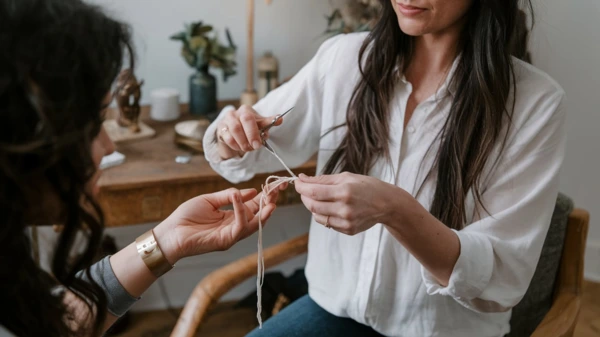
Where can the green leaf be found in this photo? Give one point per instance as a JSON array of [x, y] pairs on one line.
[[194, 25], [230, 39], [201, 48], [363, 28], [335, 15], [179, 36], [188, 56], [201, 30], [202, 57], [188, 30], [228, 72], [198, 42]]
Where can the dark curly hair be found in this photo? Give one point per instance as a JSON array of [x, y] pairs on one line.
[[58, 61]]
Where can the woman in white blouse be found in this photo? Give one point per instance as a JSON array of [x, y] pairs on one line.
[[438, 159]]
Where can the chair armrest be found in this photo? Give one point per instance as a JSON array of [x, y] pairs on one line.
[[570, 273], [560, 321], [222, 280]]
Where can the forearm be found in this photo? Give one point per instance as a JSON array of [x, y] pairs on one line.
[[123, 280], [132, 273], [130, 270], [431, 242]]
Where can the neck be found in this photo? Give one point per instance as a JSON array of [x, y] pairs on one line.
[[435, 53]]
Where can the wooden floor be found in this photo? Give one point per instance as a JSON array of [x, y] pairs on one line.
[[227, 321]]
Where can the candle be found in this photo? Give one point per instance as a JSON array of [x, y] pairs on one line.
[[165, 105], [249, 96]]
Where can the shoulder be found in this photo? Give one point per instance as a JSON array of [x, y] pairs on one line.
[[341, 50], [537, 94], [344, 42], [532, 79]]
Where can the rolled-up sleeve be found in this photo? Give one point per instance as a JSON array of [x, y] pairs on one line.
[[297, 139], [500, 251]]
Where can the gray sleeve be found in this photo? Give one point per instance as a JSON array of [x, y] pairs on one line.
[[118, 299]]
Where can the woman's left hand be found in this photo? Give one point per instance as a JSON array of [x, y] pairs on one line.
[[200, 225], [349, 203]]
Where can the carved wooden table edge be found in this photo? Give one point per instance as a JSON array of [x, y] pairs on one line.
[[308, 168]]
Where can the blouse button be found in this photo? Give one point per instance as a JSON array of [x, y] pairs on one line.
[[410, 129]]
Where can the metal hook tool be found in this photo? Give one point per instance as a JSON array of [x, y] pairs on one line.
[[268, 127]]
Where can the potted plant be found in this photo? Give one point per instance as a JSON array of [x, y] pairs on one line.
[[350, 16], [201, 48]]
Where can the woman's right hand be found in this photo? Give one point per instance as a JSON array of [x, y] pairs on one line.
[[239, 131]]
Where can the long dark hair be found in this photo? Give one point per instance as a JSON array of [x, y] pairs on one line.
[[483, 80], [58, 61]]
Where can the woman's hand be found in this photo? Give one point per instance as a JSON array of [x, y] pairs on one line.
[[239, 131], [349, 203], [199, 225]]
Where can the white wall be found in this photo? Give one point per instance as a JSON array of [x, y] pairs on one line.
[[566, 44]]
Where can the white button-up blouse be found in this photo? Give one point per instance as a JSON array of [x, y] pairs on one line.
[[371, 277]]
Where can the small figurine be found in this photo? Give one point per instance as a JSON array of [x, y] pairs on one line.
[[128, 96], [268, 74]]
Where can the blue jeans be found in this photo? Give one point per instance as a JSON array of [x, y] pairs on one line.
[[305, 318]]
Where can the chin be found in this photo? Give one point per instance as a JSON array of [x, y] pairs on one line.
[[412, 27]]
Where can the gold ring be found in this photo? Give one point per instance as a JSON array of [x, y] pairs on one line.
[[225, 129], [327, 223]]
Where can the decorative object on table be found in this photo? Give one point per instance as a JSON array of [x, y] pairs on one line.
[[128, 96], [249, 96], [189, 134], [165, 105], [183, 159], [127, 126], [113, 159], [352, 16], [200, 50], [268, 74], [119, 134]]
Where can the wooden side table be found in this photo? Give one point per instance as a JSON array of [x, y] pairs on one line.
[[150, 185]]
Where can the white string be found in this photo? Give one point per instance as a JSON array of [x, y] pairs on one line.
[[271, 184], [282, 163]]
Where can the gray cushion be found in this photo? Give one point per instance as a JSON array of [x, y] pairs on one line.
[[528, 314]]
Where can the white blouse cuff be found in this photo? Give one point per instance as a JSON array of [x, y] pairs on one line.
[[472, 271], [234, 169]]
